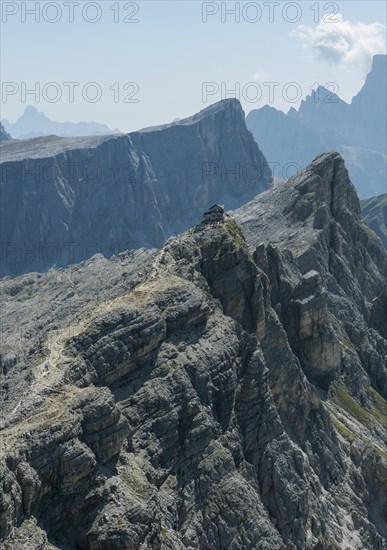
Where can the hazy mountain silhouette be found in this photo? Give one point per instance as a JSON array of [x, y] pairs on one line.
[[325, 122], [34, 123]]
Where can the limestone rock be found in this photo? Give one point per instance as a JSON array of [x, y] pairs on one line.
[[225, 391], [65, 199], [374, 211]]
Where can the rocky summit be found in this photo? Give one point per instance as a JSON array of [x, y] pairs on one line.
[[226, 391], [66, 199]]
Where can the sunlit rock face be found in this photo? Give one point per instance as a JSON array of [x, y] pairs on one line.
[[225, 391]]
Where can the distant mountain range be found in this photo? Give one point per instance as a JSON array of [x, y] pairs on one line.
[[325, 122], [226, 391], [111, 193], [34, 123]]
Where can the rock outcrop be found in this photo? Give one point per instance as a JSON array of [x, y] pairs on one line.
[[64, 199], [4, 136], [225, 391]]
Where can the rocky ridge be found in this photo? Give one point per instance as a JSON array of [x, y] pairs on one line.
[[226, 391]]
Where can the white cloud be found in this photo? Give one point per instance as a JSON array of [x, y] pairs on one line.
[[259, 77], [344, 43]]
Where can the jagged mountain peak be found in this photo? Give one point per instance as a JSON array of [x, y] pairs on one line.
[[326, 178], [34, 123], [320, 106], [318, 209], [324, 122], [373, 91], [323, 95], [333, 186], [377, 74], [32, 112], [222, 391]]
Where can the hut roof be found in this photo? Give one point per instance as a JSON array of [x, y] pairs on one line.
[[216, 208]]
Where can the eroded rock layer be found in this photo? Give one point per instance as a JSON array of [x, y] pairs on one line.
[[226, 391]]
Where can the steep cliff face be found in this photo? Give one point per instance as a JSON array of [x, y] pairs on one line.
[[374, 211], [64, 199], [317, 223], [368, 123], [362, 122], [222, 392]]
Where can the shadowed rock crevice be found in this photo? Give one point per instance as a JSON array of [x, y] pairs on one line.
[[221, 392]]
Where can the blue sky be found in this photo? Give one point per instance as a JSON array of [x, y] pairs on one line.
[[170, 52]]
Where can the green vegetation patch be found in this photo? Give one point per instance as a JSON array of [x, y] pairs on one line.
[[173, 365], [347, 344], [380, 452], [164, 535], [366, 417], [343, 430], [328, 543], [369, 231], [236, 232], [379, 406]]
